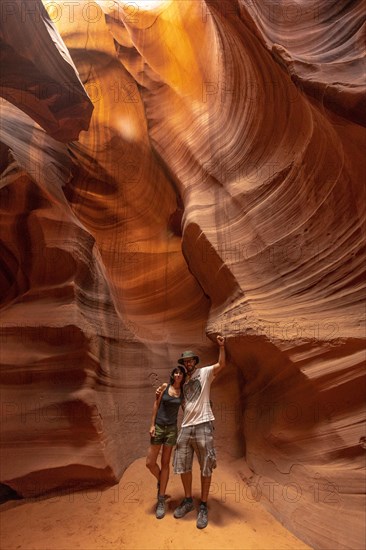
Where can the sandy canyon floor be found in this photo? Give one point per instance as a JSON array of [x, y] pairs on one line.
[[122, 517]]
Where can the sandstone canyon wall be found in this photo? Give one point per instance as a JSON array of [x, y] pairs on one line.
[[205, 175]]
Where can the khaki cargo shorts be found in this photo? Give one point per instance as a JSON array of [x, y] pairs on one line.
[[198, 439]]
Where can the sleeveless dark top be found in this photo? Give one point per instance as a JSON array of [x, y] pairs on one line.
[[168, 408]]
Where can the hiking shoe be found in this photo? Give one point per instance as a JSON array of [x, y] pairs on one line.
[[202, 518], [183, 509], [160, 509]]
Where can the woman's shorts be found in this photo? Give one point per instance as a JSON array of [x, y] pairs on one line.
[[165, 435], [198, 439]]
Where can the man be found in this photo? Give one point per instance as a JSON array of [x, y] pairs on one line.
[[196, 432]]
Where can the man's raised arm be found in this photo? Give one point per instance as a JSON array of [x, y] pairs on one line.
[[222, 355]]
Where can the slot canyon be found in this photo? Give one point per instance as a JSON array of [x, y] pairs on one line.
[[170, 171]]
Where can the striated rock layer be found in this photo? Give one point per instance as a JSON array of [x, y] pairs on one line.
[[38, 74], [219, 188]]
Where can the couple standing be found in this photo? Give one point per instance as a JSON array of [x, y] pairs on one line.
[[190, 388]]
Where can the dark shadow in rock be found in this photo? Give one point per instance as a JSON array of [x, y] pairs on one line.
[[7, 493]]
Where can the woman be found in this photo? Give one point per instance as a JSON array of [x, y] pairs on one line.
[[163, 432]]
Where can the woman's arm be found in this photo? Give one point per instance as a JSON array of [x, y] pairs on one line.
[[160, 390], [155, 410]]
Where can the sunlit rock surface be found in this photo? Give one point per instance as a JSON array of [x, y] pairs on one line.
[[219, 188]]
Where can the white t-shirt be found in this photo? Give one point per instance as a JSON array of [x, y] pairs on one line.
[[197, 397]]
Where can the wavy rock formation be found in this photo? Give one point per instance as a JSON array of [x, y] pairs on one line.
[[38, 74], [220, 188], [321, 46]]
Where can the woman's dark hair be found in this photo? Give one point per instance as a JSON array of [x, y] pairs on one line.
[[178, 369]]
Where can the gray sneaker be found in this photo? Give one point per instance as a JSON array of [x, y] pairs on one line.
[[183, 509], [160, 509], [202, 518]]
